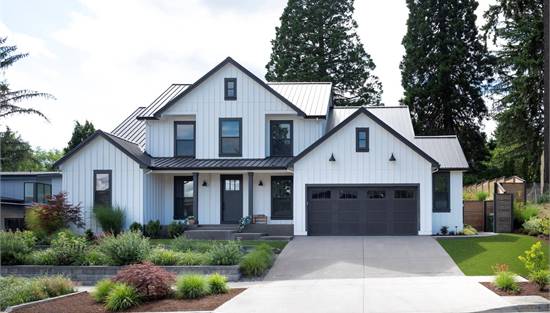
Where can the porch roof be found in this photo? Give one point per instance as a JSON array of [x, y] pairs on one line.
[[175, 163]]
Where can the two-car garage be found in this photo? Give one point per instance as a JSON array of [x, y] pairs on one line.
[[345, 210]]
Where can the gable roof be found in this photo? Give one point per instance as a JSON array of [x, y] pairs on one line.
[[445, 149], [313, 98], [132, 129], [168, 95], [364, 110]]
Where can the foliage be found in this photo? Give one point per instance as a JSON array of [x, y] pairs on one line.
[[95, 257], [150, 281], [102, 289], [243, 221], [121, 297], [522, 213], [161, 256], [544, 198], [89, 235], [54, 215], [181, 243], [541, 278], [534, 259], [127, 248], [217, 284], [225, 253], [42, 257], [257, 262], [17, 154], [152, 229], [68, 248], [135, 226], [80, 133], [55, 286], [15, 245], [175, 229], [468, 196], [110, 219], [481, 195], [17, 290], [193, 258], [10, 99], [318, 41], [444, 230], [191, 287], [43, 160], [469, 230], [533, 226], [506, 281]]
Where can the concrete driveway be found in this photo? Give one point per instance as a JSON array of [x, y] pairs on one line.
[[362, 257]]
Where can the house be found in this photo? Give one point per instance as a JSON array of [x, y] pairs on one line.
[[18, 190], [231, 145]]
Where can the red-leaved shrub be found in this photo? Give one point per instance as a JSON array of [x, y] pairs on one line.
[[151, 282], [54, 215]]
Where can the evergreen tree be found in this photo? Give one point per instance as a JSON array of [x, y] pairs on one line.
[[517, 30], [80, 133], [443, 73], [317, 41], [16, 154]]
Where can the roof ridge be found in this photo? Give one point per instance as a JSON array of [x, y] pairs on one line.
[[435, 136], [128, 141], [297, 83], [368, 107]]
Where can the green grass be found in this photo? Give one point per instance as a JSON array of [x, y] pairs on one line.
[[476, 256], [280, 244]]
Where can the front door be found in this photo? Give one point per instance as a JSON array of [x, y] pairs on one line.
[[232, 198]]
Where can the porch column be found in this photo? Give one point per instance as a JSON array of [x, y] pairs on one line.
[[196, 196], [250, 194]]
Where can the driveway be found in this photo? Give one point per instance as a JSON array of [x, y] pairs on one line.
[[362, 257]]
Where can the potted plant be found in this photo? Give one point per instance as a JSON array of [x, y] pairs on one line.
[[190, 220]]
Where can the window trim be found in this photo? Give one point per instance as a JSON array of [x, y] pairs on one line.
[[176, 123], [448, 177], [357, 131], [220, 152], [274, 122], [35, 191], [110, 172], [225, 81], [274, 178]]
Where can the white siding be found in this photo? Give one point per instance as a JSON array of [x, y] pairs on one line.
[[127, 180], [371, 167], [454, 219], [305, 131]]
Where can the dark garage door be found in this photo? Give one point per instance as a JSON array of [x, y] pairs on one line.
[[356, 211]]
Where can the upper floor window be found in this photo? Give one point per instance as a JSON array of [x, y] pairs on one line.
[[362, 140], [281, 138], [441, 192], [184, 145], [230, 136], [230, 89], [102, 188], [37, 192]]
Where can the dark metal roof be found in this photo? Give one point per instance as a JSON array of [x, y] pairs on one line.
[[173, 91], [170, 163], [132, 129]]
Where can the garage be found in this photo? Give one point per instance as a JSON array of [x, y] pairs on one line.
[[362, 210]]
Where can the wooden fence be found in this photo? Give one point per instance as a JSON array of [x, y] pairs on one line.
[[514, 185], [481, 214]]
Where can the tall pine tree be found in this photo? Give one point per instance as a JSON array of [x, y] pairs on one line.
[[443, 73], [317, 41], [517, 29]]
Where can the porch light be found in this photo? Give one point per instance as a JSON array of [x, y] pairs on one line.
[[332, 159], [261, 183], [392, 158], [204, 184]]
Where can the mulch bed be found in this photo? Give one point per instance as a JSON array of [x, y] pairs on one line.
[[83, 303], [526, 289]]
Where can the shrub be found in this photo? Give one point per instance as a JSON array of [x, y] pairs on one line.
[[14, 246], [161, 256], [95, 257], [444, 230], [524, 213], [102, 289], [89, 235], [15, 290], [541, 278], [175, 229], [110, 219], [192, 258], [544, 198], [54, 215], [42, 257], [150, 281], [506, 281], [127, 248], [217, 284], [481, 195], [191, 287], [469, 230], [225, 253], [256, 262], [68, 248], [183, 244], [121, 297], [152, 229], [55, 286], [135, 226], [468, 196], [533, 259], [533, 226]]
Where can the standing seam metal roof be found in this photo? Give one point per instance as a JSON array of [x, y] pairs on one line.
[[173, 91], [311, 97], [132, 129], [191, 163]]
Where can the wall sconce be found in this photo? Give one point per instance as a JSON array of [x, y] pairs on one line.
[[204, 184], [332, 159], [261, 183], [392, 158]]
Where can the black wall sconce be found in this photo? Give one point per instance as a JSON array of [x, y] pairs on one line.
[[392, 158], [332, 159], [204, 184], [261, 183]]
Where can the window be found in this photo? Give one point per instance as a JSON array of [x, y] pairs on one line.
[[441, 183], [230, 89], [184, 134], [281, 197], [376, 194], [183, 197], [230, 136], [37, 192], [403, 194], [29, 193], [345, 194], [362, 140], [281, 138], [232, 185], [321, 195], [102, 188]]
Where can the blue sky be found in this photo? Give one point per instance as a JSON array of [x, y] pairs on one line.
[[102, 59]]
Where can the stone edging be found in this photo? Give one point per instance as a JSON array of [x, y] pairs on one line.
[[24, 305]]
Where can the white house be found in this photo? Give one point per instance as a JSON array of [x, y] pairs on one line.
[[231, 145]]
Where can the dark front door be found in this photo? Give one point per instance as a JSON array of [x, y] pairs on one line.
[[183, 197], [232, 198]]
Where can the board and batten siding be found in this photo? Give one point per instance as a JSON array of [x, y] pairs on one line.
[[127, 180], [454, 219], [371, 167], [304, 131]]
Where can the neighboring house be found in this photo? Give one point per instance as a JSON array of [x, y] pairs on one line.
[[230, 145], [21, 189]]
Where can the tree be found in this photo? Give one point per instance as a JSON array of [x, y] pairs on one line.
[[44, 159], [16, 154], [80, 133], [10, 99], [317, 41], [443, 72], [517, 30]]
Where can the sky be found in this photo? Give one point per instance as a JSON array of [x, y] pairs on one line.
[[102, 59]]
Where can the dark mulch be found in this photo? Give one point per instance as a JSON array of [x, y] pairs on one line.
[[526, 289], [83, 303]]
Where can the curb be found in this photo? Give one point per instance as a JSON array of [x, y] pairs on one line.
[[24, 305], [542, 307]]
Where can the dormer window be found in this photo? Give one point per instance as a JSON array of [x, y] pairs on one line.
[[230, 88]]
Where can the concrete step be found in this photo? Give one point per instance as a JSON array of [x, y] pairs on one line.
[[287, 238], [248, 236], [216, 227], [210, 234]]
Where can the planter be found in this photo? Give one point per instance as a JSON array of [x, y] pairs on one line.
[[89, 275]]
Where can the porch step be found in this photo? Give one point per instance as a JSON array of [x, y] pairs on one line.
[[234, 227], [287, 238], [210, 234], [248, 236]]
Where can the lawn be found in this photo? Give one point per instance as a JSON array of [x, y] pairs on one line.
[[476, 256], [280, 244]]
